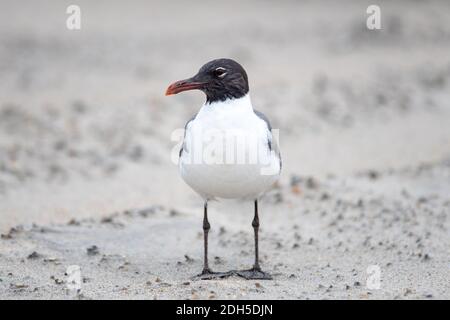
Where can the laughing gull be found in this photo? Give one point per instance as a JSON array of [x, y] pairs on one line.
[[228, 149]]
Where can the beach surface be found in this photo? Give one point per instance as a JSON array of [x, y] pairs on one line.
[[87, 180]]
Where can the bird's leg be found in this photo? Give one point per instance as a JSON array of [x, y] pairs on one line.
[[207, 274], [255, 272], [206, 227], [255, 225]]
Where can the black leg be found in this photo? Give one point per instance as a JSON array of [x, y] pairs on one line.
[[255, 272], [206, 227], [255, 225], [207, 274]]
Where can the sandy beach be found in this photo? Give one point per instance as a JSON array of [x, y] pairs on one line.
[[87, 180]]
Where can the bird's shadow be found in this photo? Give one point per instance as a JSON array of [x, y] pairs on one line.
[[250, 274]]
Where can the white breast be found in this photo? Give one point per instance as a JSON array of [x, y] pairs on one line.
[[226, 152]]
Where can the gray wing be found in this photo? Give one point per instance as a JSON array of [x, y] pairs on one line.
[[185, 128], [262, 116], [273, 143]]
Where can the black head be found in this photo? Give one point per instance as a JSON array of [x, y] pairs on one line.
[[219, 79]]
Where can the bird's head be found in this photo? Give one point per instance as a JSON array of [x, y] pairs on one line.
[[219, 79]]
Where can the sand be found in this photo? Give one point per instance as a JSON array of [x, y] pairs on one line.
[[86, 177]]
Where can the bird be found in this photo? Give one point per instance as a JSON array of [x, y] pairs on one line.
[[229, 150]]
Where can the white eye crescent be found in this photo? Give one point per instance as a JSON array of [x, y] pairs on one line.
[[220, 72]]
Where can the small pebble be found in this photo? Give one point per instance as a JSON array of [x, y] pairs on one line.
[[92, 251]]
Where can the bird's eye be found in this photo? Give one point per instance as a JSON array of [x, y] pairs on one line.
[[220, 72]]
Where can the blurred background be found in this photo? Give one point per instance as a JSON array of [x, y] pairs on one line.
[[85, 128]]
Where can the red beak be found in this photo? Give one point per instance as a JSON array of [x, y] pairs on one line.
[[183, 85]]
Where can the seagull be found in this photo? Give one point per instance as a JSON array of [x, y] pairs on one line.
[[228, 150]]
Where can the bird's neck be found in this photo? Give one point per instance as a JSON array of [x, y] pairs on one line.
[[238, 105]]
